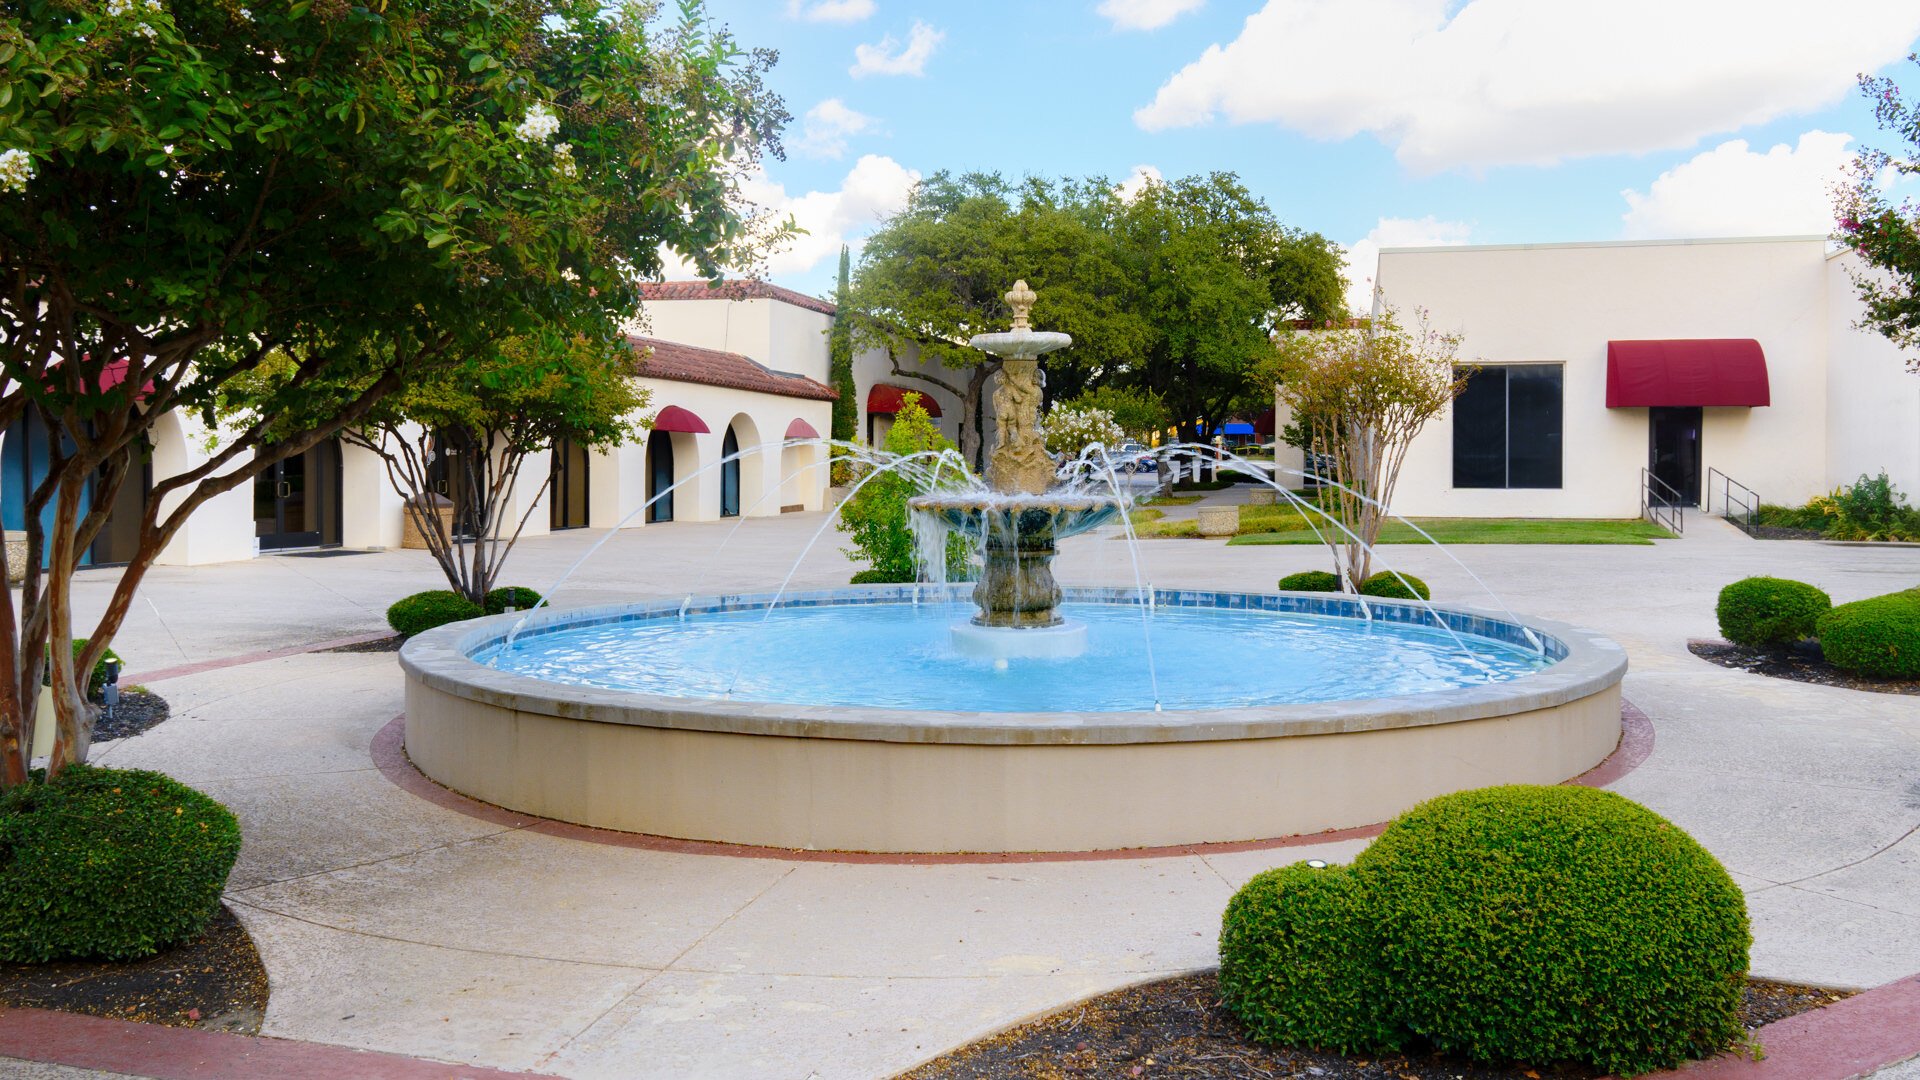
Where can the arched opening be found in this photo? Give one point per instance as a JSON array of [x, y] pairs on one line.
[[296, 500], [568, 488], [659, 476], [25, 452], [730, 474], [749, 469]]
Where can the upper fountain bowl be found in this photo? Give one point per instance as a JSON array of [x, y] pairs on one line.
[[994, 515], [1020, 343]]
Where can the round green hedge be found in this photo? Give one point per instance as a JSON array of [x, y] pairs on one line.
[[1769, 612], [1547, 924], [517, 597], [1297, 962], [425, 610], [1388, 586], [1878, 637], [114, 864], [1310, 581], [880, 577]]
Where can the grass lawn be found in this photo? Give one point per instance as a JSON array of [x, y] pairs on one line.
[[1263, 525]]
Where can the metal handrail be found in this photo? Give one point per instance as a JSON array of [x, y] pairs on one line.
[[1748, 503], [1661, 504]]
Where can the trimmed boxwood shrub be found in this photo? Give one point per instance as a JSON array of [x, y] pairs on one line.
[[1878, 637], [425, 610], [1310, 581], [1769, 612], [517, 597], [114, 864], [1297, 962], [1387, 586], [1547, 924], [881, 577]]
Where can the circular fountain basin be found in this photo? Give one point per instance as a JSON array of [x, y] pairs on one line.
[[846, 719]]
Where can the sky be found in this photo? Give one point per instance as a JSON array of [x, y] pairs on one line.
[[1373, 122]]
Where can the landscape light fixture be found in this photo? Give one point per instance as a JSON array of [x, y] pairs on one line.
[[1317, 864]]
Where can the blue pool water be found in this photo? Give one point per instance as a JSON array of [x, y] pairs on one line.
[[900, 656]]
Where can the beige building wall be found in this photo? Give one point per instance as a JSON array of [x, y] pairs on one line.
[[1873, 397], [1561, 304]]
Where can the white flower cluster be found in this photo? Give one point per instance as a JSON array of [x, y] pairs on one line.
[[563, 162], [1069, 431], [539, 126], [16, 168], [118, 8], [245, 15]]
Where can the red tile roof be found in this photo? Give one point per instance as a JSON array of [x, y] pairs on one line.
[[689, 363], [731, 290]]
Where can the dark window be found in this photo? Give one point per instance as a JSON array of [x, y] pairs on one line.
[[1506, 428]]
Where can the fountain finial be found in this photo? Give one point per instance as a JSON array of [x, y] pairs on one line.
[[1020, 299]]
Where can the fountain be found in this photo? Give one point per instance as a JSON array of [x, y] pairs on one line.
[[1023, 515], [868, 719]]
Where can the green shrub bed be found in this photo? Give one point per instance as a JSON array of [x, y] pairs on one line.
[[517, 597], [425, 610], [882, 577], [1769, 612], [1879, 637], [111, 864], [1310, 581], [1390, 586], [1522, 923]]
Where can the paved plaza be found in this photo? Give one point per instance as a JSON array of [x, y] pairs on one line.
[[389, 922]]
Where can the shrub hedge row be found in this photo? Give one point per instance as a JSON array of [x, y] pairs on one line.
[[425, 610], [1769, 612], [1879, 637], [1522, 923], [1390, 586]]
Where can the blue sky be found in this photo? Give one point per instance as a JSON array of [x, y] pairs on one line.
[[1374, 122]]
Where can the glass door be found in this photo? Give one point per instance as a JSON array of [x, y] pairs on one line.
[[660, 476], [1673, 454]]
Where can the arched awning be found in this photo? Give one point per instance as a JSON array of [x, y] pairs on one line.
[[800, 429], [1697, 371], [887, 398], [675, 418]]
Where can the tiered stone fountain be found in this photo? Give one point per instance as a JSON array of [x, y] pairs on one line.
[[1024, 513]]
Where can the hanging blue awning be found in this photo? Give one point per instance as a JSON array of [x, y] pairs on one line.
[[1235, 428]]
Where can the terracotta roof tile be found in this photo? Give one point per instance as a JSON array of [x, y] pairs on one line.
[[731, 290], [689, 363]]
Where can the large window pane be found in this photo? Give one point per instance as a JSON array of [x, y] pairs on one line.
[[1533, 426], [1480, 431]]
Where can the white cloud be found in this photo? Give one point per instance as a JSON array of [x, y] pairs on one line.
[[1501, 82], [1363, 258], [826, 127], [1145, 14], [874, 189], [1141, 176], [1732, 190], [842, 11], [890, 57]]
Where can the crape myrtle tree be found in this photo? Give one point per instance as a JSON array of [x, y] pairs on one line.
[[189, 188], [1886, 234], [473, 424], [1359, 394]]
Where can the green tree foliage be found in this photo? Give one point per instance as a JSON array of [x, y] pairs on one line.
[[1886, 234], [371, 192], [846, 409], [1170, 293], [875, 516]]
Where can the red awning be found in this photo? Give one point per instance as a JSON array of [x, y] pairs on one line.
[[800, 429], [1689, 371], [886, 398], [675, 418]]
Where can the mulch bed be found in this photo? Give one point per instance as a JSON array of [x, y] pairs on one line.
[[1782, 532], [385, 644], [214, 982], [138, 710], [1178, 1028], [1799, 664]]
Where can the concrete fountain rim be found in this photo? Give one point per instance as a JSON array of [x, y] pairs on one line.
[[441, 659]]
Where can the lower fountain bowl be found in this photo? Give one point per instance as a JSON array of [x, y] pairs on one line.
[[858, 739], [1061, 641], [1045, 516]]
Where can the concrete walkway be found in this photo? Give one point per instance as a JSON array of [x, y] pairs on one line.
[[390, 923]]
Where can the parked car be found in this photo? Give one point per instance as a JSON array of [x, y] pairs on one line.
[[1144, 463]]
